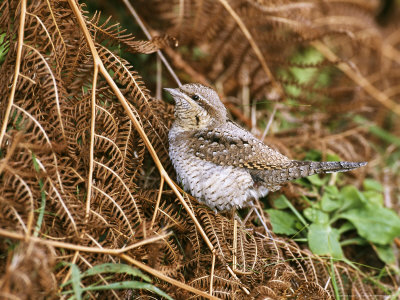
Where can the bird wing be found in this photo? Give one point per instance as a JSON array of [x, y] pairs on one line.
[[234, 146]]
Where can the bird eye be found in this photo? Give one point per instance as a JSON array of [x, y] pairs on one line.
[[195, 97]]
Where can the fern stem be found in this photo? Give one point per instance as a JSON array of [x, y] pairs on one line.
[[148, 35], [16, 71]]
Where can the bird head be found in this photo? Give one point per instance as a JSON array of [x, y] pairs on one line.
[[197, 107]]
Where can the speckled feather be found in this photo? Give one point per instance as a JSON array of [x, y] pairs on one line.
[[222, 164]]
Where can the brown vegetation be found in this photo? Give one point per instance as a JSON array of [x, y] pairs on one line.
[[85, 173]]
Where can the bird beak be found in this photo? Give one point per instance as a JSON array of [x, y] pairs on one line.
[[174, 93], [180, 98]]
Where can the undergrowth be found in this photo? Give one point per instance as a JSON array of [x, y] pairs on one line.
[[88, 204]]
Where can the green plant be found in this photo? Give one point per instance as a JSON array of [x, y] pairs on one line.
[[337, 212], [76, 290]]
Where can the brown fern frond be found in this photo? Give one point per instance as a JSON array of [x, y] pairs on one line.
[[113, 34], [84, 144]]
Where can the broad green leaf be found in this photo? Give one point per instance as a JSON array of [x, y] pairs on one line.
[[385, 253], [376, 224], [316, 215], [280, 202], [374, 197], [324, 240], [351, 197], [282, 222], [330, 203], [332, 190], [346, 227], [372, 185]]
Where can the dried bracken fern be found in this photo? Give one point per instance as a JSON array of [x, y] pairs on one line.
[[84, 150]]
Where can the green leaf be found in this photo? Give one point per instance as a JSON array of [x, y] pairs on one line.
[[112, 268], [346, 227], [35, 163], [385, 254], [377, 224], [282, 222], [351, 197], [316, 215], [129, 285], [316, 180], [332, 190], [76, 280], [313, 155], [324, 240], [330, 202], [125, 285], [372, 185], [280, 202], [378, 131], [332, 157], [115, 268], [374, 197], [354, 241]]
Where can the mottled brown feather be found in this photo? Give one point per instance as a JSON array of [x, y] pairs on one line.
[[234, 146]]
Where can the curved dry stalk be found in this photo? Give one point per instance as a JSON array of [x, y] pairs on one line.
[[47, 34], [123, 184], [148, 35], [57, 244], [41, 166], [157, 203], [212, 273], [68, 275], [100, 275], [20, 44], [97, 61], [166, 278], [358, 78], [254, 46], [117, 206], [34, 120], [92, 133]]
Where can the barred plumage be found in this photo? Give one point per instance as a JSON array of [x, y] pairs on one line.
[[222, 164]]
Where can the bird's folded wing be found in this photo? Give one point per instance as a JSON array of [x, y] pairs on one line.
[[234, 146]]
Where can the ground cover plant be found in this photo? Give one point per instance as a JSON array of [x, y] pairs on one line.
[[89, 208]]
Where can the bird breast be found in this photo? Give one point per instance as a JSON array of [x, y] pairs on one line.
[[219, 187]]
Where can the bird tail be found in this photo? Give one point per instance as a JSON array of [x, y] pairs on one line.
[[315, 167], [274, 178]]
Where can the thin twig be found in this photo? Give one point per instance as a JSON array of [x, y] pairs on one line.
[[271, 118], [234, 276], [253, 45], [57, 244], [158, 78], [20, 44], [263, 223], [66, 277], [212, 273], [157, 203], [132, 117], [165, 278], [234, 259], [92, 135], [148, 35], [358, 78]]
